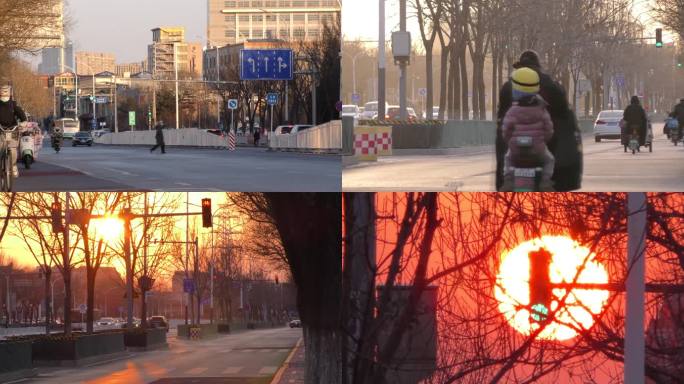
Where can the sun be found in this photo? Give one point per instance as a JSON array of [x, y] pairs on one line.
[[108, 228], [568, 260]]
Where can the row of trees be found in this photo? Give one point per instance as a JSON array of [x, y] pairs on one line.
[[453, 241]]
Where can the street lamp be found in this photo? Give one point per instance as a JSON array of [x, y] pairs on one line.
[[354, 57]]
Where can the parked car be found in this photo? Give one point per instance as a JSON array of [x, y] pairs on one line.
[[350, 110], [299, 128], [393, 113], [158, 322], [82, 138], [607, 125], [295, 323], [106, 321], [370, 110]]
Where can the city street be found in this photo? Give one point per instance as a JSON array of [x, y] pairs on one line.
[[242, 357], [606, 168], [180, 169]]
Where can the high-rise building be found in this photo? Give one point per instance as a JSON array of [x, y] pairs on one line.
[[90, 63], [234, 21], [130, 68], [51, 59], [168, 44]]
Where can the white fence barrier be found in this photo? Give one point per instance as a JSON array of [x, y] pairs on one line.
[[325, 137], [192, 137]]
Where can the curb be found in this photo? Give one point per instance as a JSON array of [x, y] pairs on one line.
[[281, 370]]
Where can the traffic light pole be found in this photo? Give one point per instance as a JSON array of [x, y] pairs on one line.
[[634, 318]]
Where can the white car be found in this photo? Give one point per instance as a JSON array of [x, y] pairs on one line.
[[370, 110], [607, 125], [106, 321], [282, 130], [296, 323], [350, 110], [299, 128]]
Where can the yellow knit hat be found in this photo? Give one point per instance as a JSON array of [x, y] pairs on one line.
[[525, 80]]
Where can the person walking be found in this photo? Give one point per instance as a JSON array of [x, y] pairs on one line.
[[566, 142], [159, 137], [257, 136]]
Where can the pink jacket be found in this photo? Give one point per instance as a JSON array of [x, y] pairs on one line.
[[532, 121]]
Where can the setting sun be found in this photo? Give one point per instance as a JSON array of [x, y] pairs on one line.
[[569, 260], [108, 228]]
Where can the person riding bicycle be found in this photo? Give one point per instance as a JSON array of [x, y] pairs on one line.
[[635, 120], [11, 114], [678, 113]]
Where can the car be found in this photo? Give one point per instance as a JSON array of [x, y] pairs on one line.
[[299, 128], [295, 323], [283, 129], [106, 321], [350, 110], [82, 138], [158, 322], [370, 110], [607, 125]]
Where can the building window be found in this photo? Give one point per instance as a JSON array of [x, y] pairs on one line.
[[244, 18], [243, 4], [284, 33], [298, 3], [285, 3], [271, 18], [326, 18], [257, 33], [298, 33], [271, 4], [229, 4], [244, 34], [314, 17], [285, 18], [314, 33], [257, 3], [230, 18], [298, 17], [230, 33], [257, 18]]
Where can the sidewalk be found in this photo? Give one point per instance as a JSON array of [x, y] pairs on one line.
[[292, 371]]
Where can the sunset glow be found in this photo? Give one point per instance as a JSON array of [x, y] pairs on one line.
[[109, 229], [568, 257]]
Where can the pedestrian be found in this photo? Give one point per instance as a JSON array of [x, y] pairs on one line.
[[257, 136], [159, 137], [635, 120], [565, 144]]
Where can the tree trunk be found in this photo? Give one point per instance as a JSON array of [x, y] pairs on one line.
[[323, 355], [429, 82], [465, 105], [495, 69], [67, 301], [90, 281], [48, 274], [444, 56], [143, 309]]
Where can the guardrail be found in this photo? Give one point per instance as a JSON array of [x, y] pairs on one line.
[[321, 138], [190, 137]]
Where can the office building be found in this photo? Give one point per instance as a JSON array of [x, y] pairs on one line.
[[168, 43], [52, 59], [234, 21], [91, 63]]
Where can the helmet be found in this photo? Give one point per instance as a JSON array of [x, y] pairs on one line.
[[525, 80], [5, 92]]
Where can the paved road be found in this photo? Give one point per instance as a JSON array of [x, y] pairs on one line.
[[244, 357], [180, 169], [606, 168]]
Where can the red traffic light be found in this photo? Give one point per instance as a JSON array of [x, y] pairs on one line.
[[206, 213]]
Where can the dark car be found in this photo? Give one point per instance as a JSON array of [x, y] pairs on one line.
[[158, 322], [82, 138]]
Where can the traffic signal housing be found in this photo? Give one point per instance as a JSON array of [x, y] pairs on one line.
[[540, 284], [206, 213], [659, 37], [56, 215]]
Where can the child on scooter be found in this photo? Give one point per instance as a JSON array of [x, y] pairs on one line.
[[527, 117]]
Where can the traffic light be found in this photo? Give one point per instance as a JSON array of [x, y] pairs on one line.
[[659, 37], [540, 284], [206, 213], [56, 213]]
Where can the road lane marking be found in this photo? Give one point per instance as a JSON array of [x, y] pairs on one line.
[[231, 370], [268, 370], [266, 350], [196, 371], [225, 350]]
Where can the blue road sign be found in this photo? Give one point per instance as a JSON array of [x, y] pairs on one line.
[[272, 98], [356, 98], [265, 64], [232, 104], [188, 286]]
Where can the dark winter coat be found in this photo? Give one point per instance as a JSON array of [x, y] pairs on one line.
[[566, 142], [679, 112], [11, 114], [635, 117], [159, 136]]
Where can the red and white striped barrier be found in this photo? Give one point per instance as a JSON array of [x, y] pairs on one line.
[[365, 144]]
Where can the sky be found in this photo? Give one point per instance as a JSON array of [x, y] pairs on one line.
[[122, 27]]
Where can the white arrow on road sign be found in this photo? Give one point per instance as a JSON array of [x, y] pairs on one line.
[[232, 104]]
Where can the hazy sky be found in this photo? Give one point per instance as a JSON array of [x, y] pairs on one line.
[[122, 27]]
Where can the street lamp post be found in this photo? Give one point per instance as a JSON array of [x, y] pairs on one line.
[[175, 70]]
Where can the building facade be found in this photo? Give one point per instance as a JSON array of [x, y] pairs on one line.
[[234, 21], [168, 47], [52, 59], [130, 68], [91, 63]]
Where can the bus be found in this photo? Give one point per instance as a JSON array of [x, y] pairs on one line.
[[68, 126]]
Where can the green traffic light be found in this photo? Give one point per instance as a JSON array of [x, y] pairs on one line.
[[659, 45], [539, 312], [679, 65]]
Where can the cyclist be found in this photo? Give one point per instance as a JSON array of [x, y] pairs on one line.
[[11, 114]]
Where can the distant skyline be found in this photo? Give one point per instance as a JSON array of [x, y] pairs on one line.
[[123, 27]]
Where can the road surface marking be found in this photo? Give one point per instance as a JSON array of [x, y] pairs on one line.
[[268, 370], [266, 350], [231, 370], [247, 350], [225, 350], [196, 371]]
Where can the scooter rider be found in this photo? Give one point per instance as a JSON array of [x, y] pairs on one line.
[[56, 137], [678, 113], [565, 145], [11, 114]]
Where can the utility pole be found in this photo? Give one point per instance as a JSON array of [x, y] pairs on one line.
[[381, 62], [67, 270], [634, 319], [126, 216], [402, 64], [175, 69], [187, 249]]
